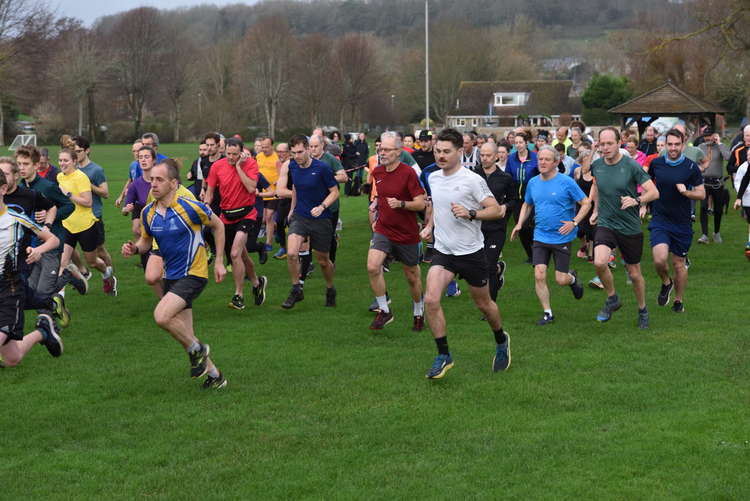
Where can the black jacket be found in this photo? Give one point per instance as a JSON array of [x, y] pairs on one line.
[[505, 191]]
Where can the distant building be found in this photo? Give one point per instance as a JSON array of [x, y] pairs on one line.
[[538, 103]]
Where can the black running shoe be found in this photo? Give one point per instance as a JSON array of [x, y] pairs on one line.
[[259, 292], [576, 286], [295, 296], [52, 340], [237, 302], [547, 318], [79, 284], [501, 274], [198, 360], [664, 293], [678, 307], [61, 311], [331, 296], [214, 383], [643, 319]]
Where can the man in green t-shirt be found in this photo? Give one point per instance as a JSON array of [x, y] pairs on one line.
[[616, 214]]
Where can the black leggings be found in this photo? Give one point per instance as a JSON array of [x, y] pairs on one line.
[[493, 247], [526, 234], [717, 194]]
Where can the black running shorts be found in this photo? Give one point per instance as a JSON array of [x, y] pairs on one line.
[[11, 317], [471, 267], [631, 246], [188, 288]]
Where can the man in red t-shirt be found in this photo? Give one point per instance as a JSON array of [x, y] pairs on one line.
[[395, 231], [237, 178]]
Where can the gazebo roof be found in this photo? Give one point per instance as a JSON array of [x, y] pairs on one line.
[[666, 100]]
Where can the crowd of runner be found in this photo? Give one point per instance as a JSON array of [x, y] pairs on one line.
[[439, 198]]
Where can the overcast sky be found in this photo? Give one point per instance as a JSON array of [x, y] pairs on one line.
[[88, 11]]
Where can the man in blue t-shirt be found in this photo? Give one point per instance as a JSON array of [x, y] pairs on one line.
[[99, 190], [679, 181], [314, 189], [553, 197]]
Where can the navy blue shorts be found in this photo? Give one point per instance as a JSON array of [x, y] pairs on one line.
[[677, 238]]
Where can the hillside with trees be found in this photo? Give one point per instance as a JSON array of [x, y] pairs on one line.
[[285, 65]]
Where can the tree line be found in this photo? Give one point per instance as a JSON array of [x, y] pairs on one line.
[[282, 66]]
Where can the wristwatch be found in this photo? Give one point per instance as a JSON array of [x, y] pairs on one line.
[[48, 225], [472, 215], [403, 204], [638, 199]]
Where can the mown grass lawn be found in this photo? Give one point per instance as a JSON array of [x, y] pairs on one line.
[[319, 407]]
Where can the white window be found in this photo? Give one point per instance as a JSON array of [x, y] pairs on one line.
[[474, 122], [460, 122], [511, 98]]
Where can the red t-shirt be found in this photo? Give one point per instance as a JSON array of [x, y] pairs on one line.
[[399, 225], [233, 193]]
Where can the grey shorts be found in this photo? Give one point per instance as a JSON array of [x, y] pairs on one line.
[[408, 254], [44, 274], [319, 231], [541, 253]]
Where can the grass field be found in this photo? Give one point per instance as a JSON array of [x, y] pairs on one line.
[[319, 407]]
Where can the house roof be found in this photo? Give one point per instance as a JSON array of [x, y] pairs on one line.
[[546, 97], [666, 100]]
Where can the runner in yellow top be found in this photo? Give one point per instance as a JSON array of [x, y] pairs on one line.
[[79, 226], [268, 165]]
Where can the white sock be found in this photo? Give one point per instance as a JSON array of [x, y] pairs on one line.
[[194, 346], [382, 303], [549, 312], [572, 279], [419, 308], [107, 273], [62, 292], [213, 372]]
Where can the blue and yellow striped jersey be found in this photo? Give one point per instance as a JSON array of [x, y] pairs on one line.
[[178, 233]]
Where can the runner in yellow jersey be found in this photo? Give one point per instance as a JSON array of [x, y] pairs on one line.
[[268, 165]]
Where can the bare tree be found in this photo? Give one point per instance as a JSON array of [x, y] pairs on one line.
[[266, 55], [315, 57], [178, 72], [137, 44], [455, 58], [80, 67], [359, 71], [215, 88], [14, 19]]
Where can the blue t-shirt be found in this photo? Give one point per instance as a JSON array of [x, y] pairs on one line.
[[312, 186], [95, 173], [425, 176], [672, 207], [135, 170], [554, 201]]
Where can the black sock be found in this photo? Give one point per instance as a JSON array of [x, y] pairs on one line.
[[643, 310], [442, 345], [304, 260], [500, 336]]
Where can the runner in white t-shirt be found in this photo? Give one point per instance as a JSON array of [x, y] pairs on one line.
[[461, 199]]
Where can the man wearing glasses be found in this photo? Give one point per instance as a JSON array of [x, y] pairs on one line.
[[314, 190], [395, 230]]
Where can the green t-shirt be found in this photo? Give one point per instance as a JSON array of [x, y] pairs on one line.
[[407, 159], [615, 181], [335, 165]]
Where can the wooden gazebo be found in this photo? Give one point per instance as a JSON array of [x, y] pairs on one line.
[[667, 100]]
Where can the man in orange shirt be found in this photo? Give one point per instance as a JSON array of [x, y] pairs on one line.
[[268, 166]]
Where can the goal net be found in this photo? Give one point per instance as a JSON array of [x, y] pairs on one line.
[[22, 140]]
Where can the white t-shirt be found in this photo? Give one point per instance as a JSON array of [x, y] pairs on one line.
[[457, 236], [737, 180]]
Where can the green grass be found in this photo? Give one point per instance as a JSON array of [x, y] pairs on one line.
[[319, 407]]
